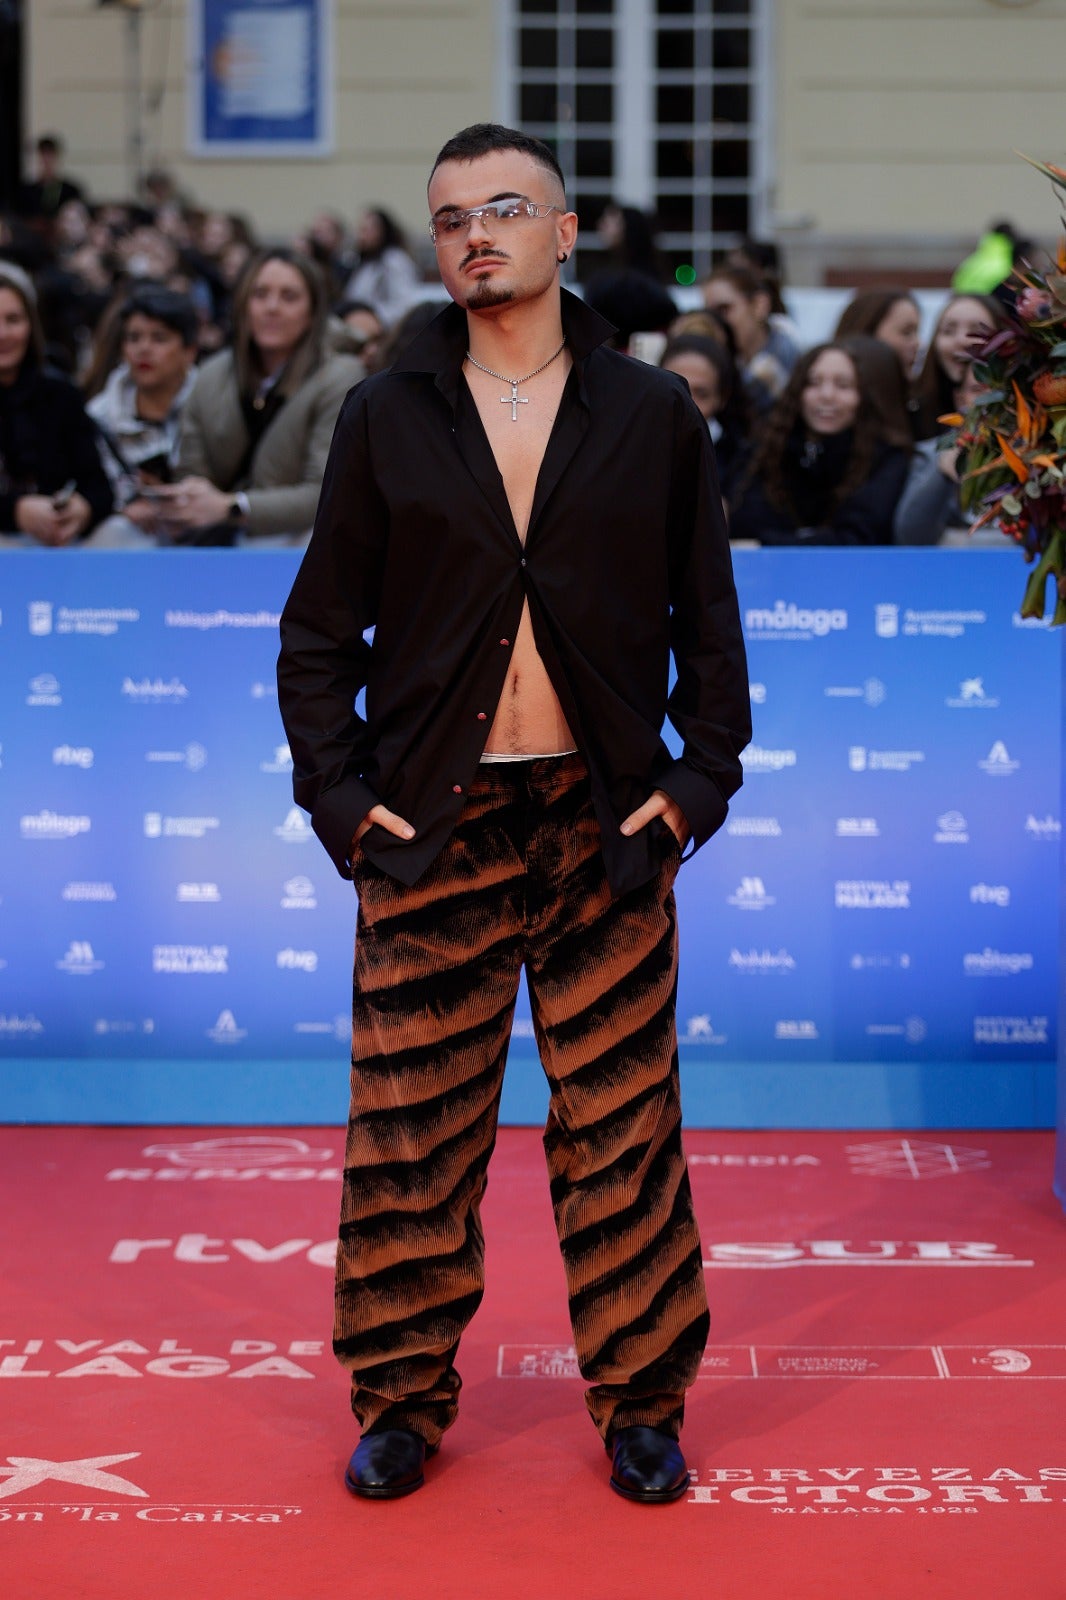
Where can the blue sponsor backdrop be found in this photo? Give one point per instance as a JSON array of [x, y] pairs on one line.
[[871, 941]]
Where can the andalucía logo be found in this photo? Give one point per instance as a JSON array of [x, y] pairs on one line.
[[226, 1031], [295, 829], [998, 762]]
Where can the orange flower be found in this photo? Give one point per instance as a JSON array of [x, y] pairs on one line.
[[1013, 460]]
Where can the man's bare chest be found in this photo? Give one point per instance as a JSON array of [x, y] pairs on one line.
[[518, 439]]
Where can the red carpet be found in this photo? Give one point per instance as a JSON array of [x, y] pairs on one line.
[[881, 1415]]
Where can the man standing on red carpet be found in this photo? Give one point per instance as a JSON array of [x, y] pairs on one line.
[[530, 523]]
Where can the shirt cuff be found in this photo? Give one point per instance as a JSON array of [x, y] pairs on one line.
[[699, 797]]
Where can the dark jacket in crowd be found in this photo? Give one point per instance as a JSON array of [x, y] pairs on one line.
[[813, 470], [46, 441]]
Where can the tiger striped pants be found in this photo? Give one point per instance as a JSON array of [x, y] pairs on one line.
[[437, 968]]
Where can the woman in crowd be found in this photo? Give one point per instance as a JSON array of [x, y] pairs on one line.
[[966, 323], [711, 374], [891, 315], [385, 275], [766, 354], [53, 488], [628, 239], [257, 426], [831, 463], [883, 383], [929, 504]]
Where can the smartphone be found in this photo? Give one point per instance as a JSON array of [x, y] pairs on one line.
[[157, 467], [62, 497]]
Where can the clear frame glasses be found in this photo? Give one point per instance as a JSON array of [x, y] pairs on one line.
[[449, 227]]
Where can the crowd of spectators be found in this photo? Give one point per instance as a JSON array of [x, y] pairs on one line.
[[166, 379]]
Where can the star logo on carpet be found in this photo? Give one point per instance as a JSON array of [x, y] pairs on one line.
[[29, 1472], [916, 1159]]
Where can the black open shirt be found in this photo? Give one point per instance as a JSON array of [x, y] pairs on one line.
[[626, 558]]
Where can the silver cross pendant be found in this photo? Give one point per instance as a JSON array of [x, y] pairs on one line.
[[513, 400]]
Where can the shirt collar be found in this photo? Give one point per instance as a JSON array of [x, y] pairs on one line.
[[441, 348]]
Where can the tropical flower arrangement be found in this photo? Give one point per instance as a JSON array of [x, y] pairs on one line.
[[1013, 438]]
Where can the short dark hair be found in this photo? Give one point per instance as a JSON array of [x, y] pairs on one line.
[[482, 138], [175, 311]]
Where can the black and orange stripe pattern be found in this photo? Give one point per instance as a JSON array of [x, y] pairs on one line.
[[436, 974]]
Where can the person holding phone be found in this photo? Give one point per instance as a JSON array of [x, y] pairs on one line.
[[139, 409], [53, 488]]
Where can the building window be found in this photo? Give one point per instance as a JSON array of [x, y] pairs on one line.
[[662, 104]]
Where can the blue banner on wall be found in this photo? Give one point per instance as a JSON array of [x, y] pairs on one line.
[[871, 940], [259, 77]]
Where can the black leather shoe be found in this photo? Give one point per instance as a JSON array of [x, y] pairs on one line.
[[387, 1464], [647, 1465]]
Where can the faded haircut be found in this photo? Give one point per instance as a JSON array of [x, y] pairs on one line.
[[483, 138]]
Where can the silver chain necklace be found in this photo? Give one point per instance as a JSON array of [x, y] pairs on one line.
[[513, 399]]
